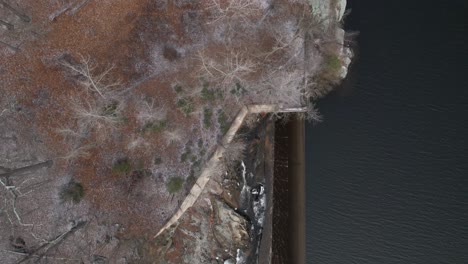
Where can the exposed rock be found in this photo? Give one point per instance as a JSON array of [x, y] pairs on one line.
[[332, 10], [231, 228], [345, 53], [230, 261]]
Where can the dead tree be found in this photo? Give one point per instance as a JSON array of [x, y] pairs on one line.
[[173, 136], [42, 250], [15, 191], [27, 169], [15, 11], [98, 116], [150, 112], [92, 80], [233, 69], [232, 11], [8, 26], [100, 110], [15, 49]]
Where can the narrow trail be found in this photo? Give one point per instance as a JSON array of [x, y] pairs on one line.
[[214, 161]]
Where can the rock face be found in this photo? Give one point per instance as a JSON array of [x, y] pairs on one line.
[[345, 53], [328, 10], [331, 12], [231, 228]]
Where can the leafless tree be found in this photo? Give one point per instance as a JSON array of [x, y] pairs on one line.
[[234, 152], [12, 190], [13, 48], [281, 87], [7, 25], [41, 251], [92, 80], [238, 11], [312, 114], [97, 116], [150, 112], [15, 11], [77, 152], [173, 136], [233, 68]]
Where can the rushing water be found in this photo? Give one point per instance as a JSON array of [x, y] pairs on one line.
[[387, 175]]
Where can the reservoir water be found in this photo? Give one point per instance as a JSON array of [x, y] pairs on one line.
[[387, 170]]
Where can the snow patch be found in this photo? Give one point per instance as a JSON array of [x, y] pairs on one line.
[[240, 257], [259, 205]]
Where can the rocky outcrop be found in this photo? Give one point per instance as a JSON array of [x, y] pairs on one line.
[[329, 14], [329, 10]]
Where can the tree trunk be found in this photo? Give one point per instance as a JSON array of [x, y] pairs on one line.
[[17, 13], [7, 25], [27, 169]]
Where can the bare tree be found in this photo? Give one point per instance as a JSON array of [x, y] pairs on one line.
[[234, 68], [234, 152], [12, 190], [238, 11], [312, 114], [150, 112], [15, 11], [7, 25], [27, 169], [92, 80], [77, 152], [173, 136], [97, 116], [41, 251], [13, 48], [281, 87]]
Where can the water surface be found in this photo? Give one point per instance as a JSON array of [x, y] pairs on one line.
[[387, 175]]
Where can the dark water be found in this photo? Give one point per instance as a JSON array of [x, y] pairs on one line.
[[387, 175]]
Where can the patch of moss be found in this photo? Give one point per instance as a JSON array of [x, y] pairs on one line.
[[187, 153], [174, 184], [72, 192], [332, 64], [186, 105], [157, 160], [122, 166], [222, 121], [208, 94], [177, 88], [110, 109], [155, 126], [191, 178], [238, 90], [207, 116], [202, 152]]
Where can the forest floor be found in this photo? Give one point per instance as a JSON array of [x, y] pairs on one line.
[[123, 179]]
